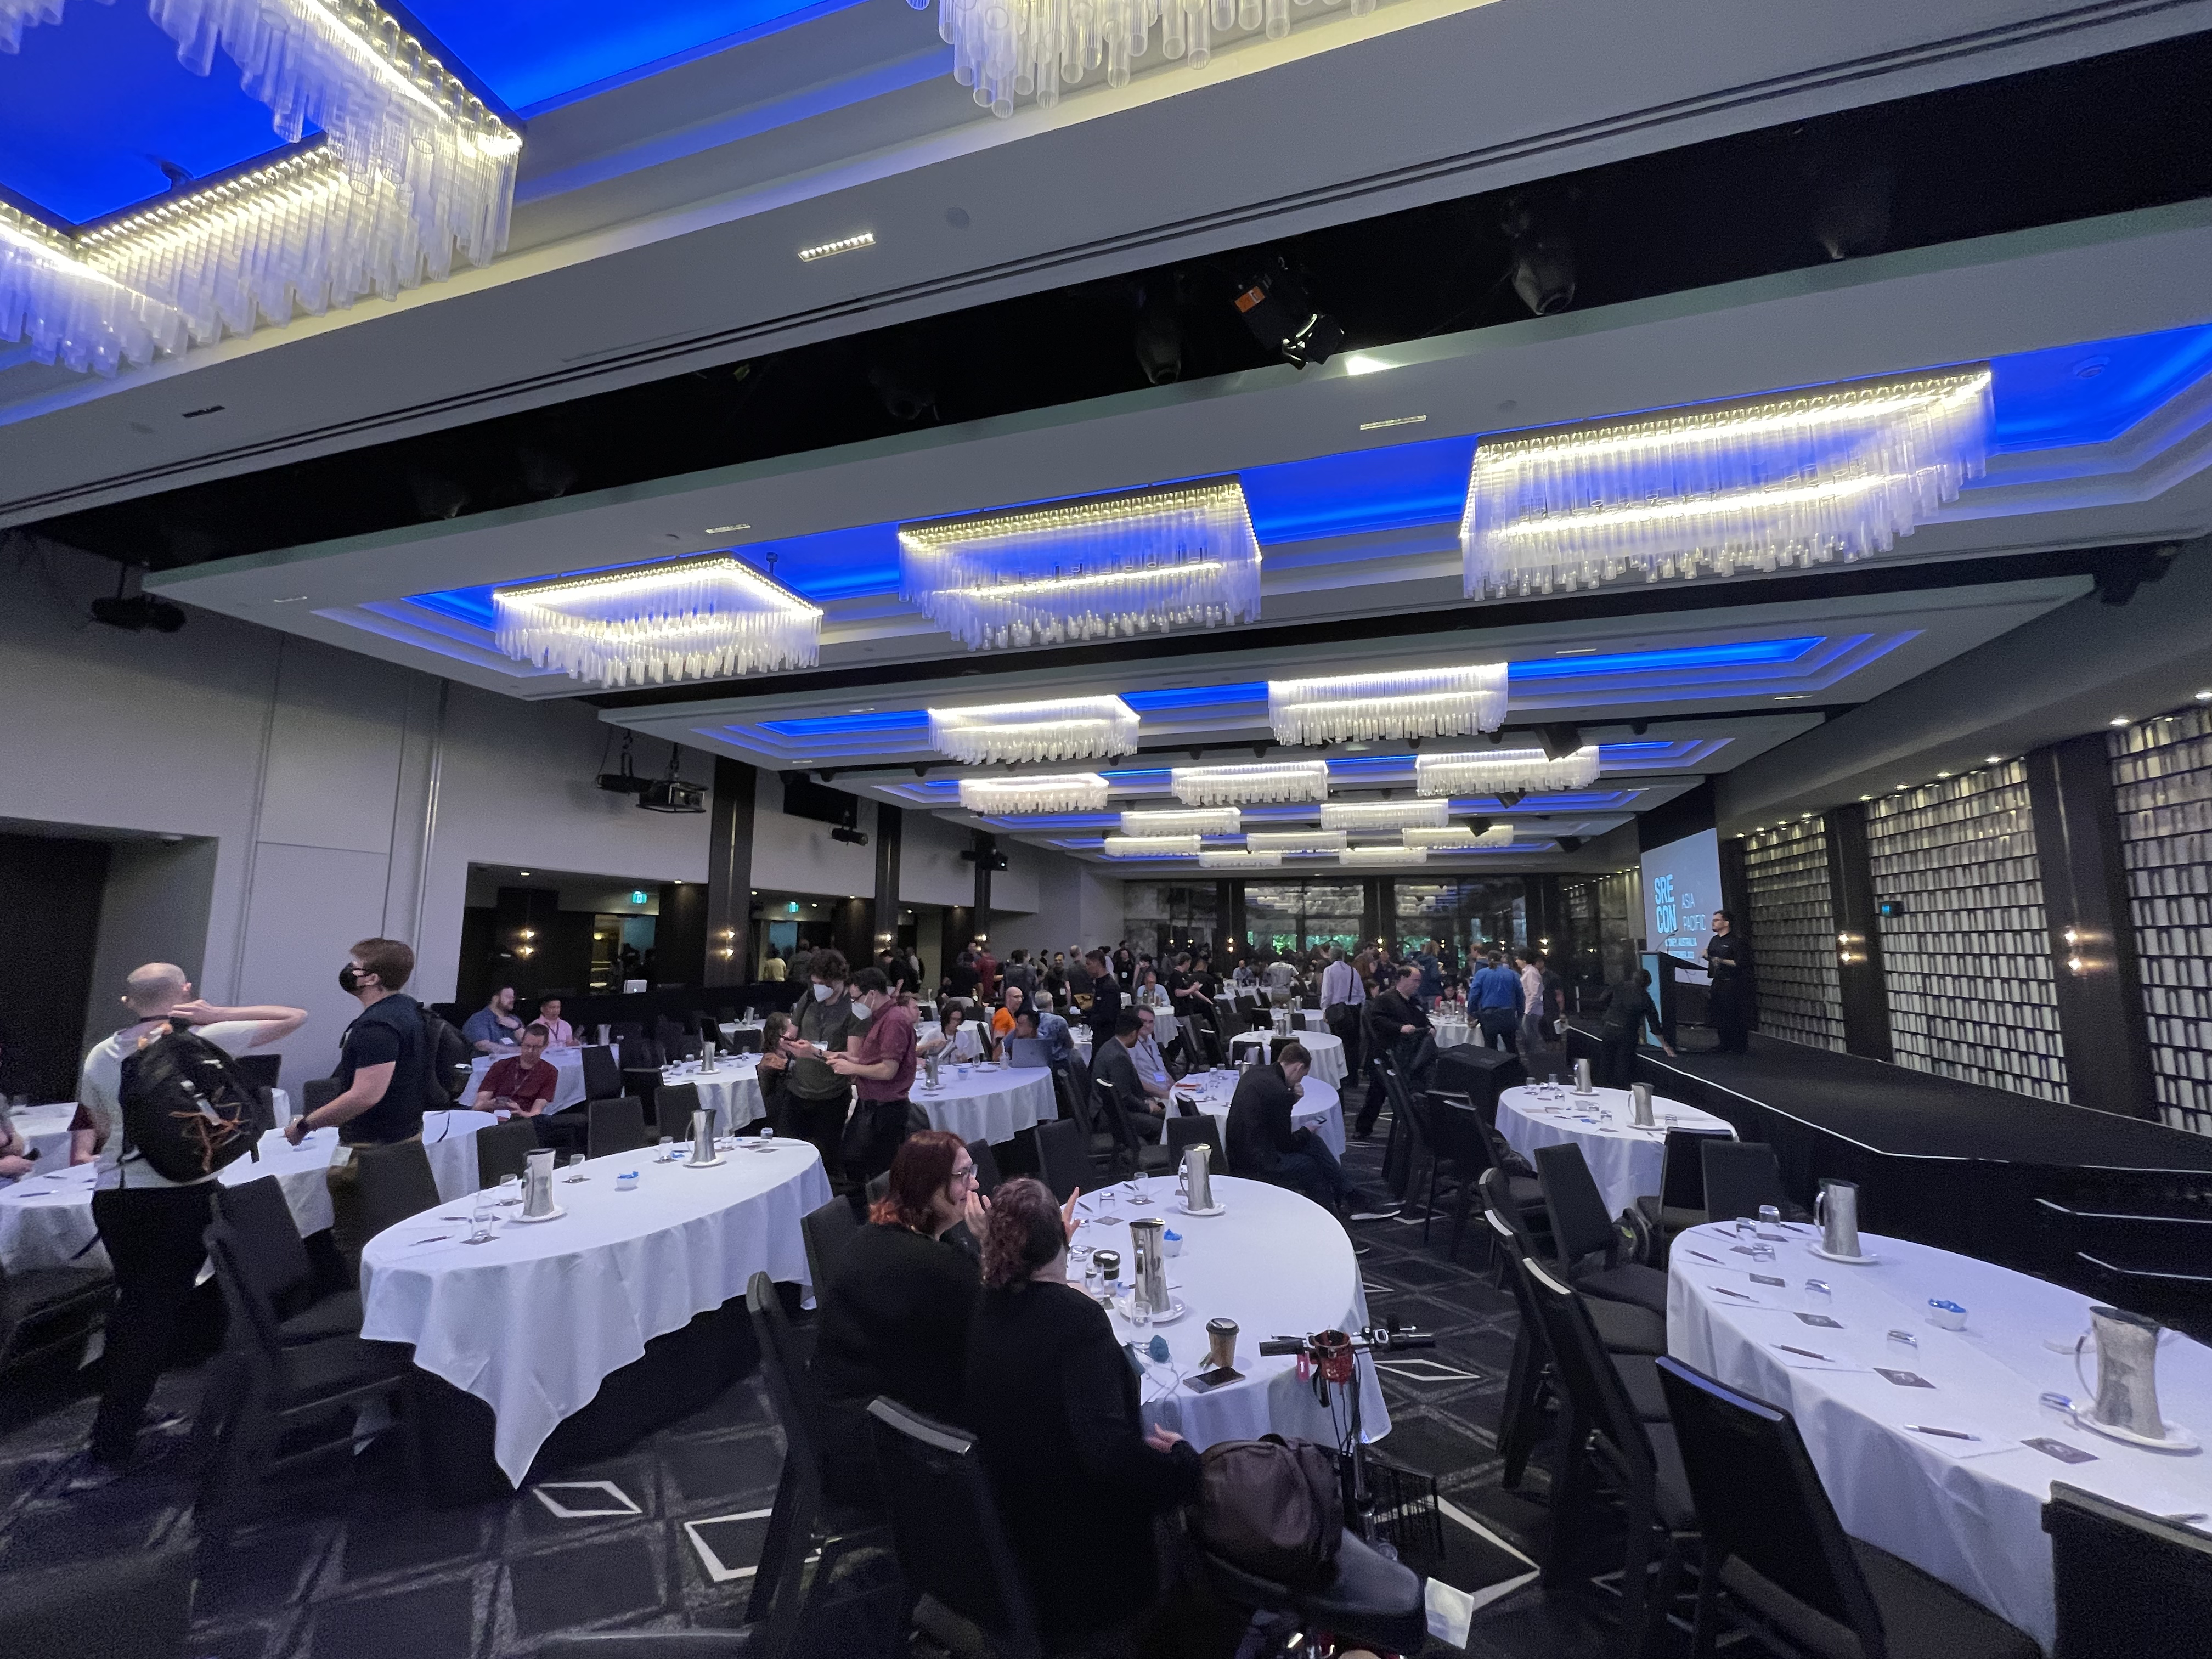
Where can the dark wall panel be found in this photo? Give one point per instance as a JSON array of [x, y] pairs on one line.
[[50, 893]]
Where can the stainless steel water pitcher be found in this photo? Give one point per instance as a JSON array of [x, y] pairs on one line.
[[1196, 1179], [537, 1183], [706, 1057], [1149, 1277], [702, 1136], [2127, 1372], [930, 1065], [1639, 1100], [1837, 1210], [1582, 1077]]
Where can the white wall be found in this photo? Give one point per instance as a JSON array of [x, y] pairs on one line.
[[930, 867], [796, 855], [1068, 902]]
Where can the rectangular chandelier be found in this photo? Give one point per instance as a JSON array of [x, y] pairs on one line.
[[707, 617], [1458, 838], [1505, 771], [1295, 840], [1064, 792], [1361, 858], [1104, 567], [1209, 821], [1231, 858], [1386, 815], [1428, 702], [1080, 728], [1298, 782], [1150, 847], [1717, 490]]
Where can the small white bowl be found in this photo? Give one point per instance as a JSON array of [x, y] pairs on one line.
[[1173, 1242], [626, 1183], [1946, 1315]]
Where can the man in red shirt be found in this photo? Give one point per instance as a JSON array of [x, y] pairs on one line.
[[523, 1083], [987, 967], [880, 1061]]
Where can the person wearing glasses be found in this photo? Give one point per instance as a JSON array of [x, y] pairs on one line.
[[895, 1314]]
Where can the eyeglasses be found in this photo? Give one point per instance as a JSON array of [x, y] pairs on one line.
[[966, 1175]]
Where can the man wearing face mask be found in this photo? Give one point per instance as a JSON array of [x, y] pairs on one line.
[[382, 1077], [818, 1096], [879, 1062]]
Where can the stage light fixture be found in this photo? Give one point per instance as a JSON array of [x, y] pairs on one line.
[[1543, 268], [1282, 316]]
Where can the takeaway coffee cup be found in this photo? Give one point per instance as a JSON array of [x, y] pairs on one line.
[[1221, 1344]]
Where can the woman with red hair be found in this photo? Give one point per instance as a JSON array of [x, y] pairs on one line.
[[895, 1314]]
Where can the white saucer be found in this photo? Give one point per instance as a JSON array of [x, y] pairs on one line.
[[2178, 1439], [710, 1164], [553, 1214], [1219, 1209], [1175, 1310], [1848, 1261]]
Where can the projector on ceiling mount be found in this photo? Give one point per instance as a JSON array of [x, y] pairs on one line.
[[673, 795]]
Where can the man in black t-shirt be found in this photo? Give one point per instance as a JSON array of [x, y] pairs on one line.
[[379, 1078]]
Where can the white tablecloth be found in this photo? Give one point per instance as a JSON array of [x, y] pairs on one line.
[[532, 1322], [45, 1128], [1328, 1051], [992, 1102], [732, 1091], [47, 1220], [1319, 1107], [1455, 1033], [1623, 1159], [1974, 1521], [1279, 1265], [568, 1087]]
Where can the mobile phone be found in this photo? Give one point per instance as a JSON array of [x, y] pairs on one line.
[[1213, 1379]]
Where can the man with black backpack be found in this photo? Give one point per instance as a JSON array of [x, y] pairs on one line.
[[150, 1218], [387, 1077]]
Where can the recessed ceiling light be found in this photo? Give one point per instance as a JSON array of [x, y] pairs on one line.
[[1400, 420], [842, 244], [1360, 363], [289, 598], [1942, 775], [1791, 697], [1866, 797], [2205, 696], [1905, 786], [725, 528], [1994, 760], [522, 872], [1576, 651], [2120, 720]]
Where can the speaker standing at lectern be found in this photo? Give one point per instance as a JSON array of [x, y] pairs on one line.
[[1728, 955]]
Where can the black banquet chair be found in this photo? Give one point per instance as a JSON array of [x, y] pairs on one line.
[[674, 1105], [1201, 1128], [1679, 1203], [504, 1149], [275, 1258], [2127, 1582], [1772, 1543], [603, 1079], [1587, 1246], [395, 1182], [46, 1309], [617, 1126], [825, 1231], [1740, 1176]]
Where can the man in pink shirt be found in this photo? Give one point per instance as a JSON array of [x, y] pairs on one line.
[[880, 1061]]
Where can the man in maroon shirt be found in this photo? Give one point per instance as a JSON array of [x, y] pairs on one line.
[[523, 1083], [880, 1061]]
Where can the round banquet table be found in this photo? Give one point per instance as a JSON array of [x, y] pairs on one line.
[[990, 1102], [567, 1084], [1624, 1160], [1328, 1051], [1967, 1511], [1455, 1033], [532, 1322], [47, 1220], [1318, 1109], [732, 1091], [1278, 1265], [46, 1130]]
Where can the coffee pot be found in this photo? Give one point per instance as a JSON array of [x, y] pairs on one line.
[[1639, 1101], [1837, 1210], [1582, 1077], [1149, 1281], [2127, 1373], [1196, 1183], [538, 1184]]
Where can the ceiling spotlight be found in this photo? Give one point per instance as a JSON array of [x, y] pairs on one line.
[[2122, 719], [1993, 760], [850, 837], [1543, 268], [2205, 696], [1851, 209], [1158, 340], [1276, 309]]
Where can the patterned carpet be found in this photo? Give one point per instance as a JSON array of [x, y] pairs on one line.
[[664, 1534]]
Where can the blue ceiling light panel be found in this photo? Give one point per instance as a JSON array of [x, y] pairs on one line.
[[2093, 392], [92, 106]]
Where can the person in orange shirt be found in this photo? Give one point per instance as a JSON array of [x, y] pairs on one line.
[[1002, 1017]]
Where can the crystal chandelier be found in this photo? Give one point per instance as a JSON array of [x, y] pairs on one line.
[[411, 168], [1296, 781], [1360, 858], [1296, 840], [1080, 728], [706, 618], [1143, 561], [1386, 815], [1231, 858], [1066, 792], [1429, 702], [1211, 820], [1150, 847], [1504, 771], [1458, 838], [1022, 48], [1800, 478]]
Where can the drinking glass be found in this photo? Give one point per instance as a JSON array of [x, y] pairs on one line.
[[576, 1167], [1092, 1279], [667, 1147], [1769, 1221], [1140, 1311], [1818, 1290], [479, 1217], [1745, 1229], [510, 1191]]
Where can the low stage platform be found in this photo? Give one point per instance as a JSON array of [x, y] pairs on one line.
[[2113, 1206]]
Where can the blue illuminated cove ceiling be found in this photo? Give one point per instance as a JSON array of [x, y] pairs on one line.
[[93, 107], [2061, 398]]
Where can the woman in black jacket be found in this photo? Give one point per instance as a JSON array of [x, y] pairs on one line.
[[1054, 1407], [1627, 1011], [896, 1312]]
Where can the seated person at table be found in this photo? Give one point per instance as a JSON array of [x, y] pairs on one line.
[[1043, 1022], [1116, 1067], [494, 1029], [1263, 1145], [772, 1071], [559, 1033], [15, 1159], [895, 1314], [1002, 1017], [523, 1084], [1054, 1403], [1151, 1065], [959, 1038]]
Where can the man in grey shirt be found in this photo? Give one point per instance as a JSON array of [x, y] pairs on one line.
[[827, 1017]]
